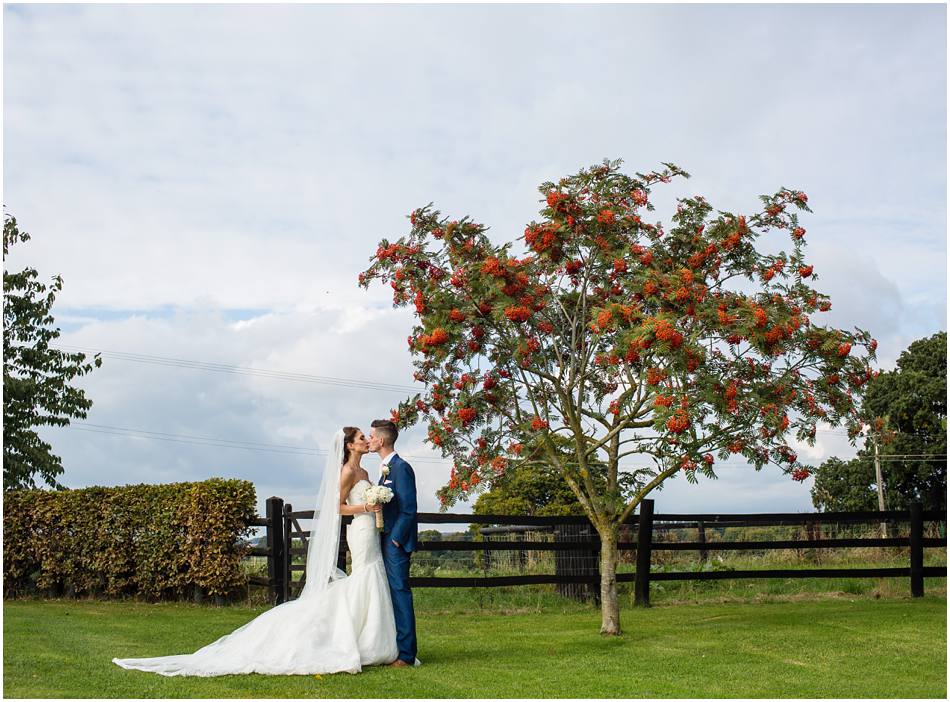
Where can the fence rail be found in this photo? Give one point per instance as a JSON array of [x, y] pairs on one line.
[[283, 527]]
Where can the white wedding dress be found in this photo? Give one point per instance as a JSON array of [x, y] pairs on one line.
[[339, 625]]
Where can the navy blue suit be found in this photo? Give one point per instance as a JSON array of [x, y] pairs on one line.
[[401, 525]]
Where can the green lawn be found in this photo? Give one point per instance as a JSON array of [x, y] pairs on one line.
[[523, 645]]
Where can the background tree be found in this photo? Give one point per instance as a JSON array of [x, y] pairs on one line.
[[36, 378], [907, 409], [537, 488], [530, 491], [615, 341]]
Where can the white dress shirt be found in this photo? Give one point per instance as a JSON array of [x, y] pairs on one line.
[[386, 461]]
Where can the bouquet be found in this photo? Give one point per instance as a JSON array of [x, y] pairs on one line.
[[378, 495]]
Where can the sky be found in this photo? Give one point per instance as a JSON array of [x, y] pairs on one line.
[[209, 181]]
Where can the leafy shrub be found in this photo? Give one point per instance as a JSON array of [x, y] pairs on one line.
[[155, 541]]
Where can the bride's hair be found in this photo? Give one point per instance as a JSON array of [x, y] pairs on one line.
[[349, 436]]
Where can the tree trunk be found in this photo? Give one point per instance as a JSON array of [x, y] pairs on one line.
[[609, 608]]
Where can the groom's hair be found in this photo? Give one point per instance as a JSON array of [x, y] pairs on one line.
[[386, 430]]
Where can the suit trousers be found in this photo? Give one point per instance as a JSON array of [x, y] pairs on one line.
[[396, 560]]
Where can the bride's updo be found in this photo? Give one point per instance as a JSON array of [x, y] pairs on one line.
[[349, 436]]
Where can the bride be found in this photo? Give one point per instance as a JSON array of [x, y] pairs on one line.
[[339, 623]]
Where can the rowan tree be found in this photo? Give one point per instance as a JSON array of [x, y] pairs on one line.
[[609, 340]]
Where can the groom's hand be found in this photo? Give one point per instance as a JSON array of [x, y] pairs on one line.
[[395, 543]]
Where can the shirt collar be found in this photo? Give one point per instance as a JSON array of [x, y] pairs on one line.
[[389, 458]]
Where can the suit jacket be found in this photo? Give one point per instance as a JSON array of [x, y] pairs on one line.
[[399, 514]]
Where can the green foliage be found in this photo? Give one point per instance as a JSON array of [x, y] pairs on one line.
[[157, 541], [845, 486], [523, 489], [37, 379], [907, 411], [540, 491]]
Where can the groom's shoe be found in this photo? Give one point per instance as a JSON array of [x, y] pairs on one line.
[[399, 663]]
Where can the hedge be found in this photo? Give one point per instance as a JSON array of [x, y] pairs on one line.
[[156, 541]]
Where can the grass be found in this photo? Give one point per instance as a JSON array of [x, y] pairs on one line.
[[524, 642]]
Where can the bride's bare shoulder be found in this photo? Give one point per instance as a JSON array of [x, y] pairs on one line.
[[347, 477]]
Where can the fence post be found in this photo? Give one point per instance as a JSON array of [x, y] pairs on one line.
[[274, 510], [916, 550], [644, 546], [703, 553], [288, 547]]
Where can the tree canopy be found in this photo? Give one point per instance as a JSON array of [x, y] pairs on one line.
[[37, 389]]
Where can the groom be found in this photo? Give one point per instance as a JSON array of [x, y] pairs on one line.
[[400, 531]]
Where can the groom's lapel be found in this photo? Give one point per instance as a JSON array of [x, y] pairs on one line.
[[392, 467]]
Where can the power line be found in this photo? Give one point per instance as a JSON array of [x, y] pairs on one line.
[[308, 451], [214, 441], [914, 457], [186, 441], [200, 438], [302, 377], [243, 370], [329, 380], [892, 431]]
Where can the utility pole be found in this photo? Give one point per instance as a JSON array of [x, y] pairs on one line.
[[880, 482]]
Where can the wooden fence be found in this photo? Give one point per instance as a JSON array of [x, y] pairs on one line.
[[283, 528], [274, 551]]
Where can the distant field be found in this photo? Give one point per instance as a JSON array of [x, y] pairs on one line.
[[512, 643]]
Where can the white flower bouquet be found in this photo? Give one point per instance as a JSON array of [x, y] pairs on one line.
[[378, 495]]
